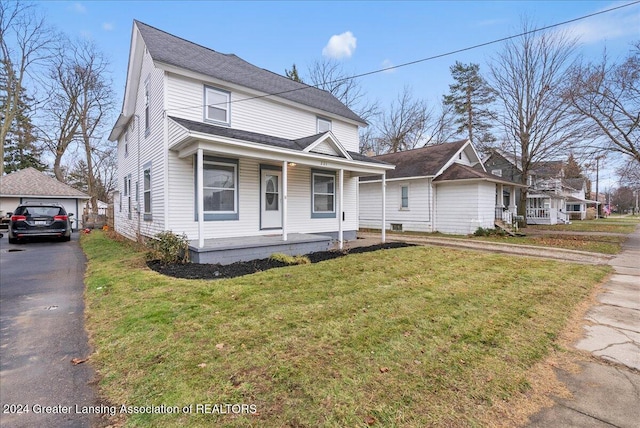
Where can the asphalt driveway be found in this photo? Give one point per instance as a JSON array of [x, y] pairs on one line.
[[41, 331]]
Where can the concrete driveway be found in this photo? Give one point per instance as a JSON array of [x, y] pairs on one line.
[[41, 331]]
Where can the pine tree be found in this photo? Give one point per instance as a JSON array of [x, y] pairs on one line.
[[572, 169], [20, 147], [293, 74], [471, 98]]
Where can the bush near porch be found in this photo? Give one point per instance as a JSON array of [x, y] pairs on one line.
[[410, 337]]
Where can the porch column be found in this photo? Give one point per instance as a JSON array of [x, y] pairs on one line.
[[285, 185], [384, 206], [200, 196], [499, 201], [340, 203], [513, 208]]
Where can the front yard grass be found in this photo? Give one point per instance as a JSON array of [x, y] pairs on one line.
[[412, 337]]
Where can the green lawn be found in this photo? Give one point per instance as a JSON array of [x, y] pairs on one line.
[[412, 337], [615, 224], [594, 244]]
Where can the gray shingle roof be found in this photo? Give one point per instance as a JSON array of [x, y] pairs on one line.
[[458, 171], [253, 137], [31, 182], [169, 49], [425, 161]]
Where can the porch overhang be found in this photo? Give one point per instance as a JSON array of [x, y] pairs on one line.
[[189, 142]]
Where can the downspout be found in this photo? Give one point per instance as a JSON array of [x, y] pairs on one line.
[[138, 237]]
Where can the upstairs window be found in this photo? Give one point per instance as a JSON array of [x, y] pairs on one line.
[[324, 125], [126, 143], [216, 107]]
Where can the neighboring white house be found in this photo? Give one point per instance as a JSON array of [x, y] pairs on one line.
[[243, 161], [441, 188], [31, 185]]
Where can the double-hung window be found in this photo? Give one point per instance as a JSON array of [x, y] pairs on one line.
[[146, 193], [216, 107], [220, 189], [323, 194], [404, 197], [323, 125]]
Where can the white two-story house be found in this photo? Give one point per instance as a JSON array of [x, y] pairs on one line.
[[243, 161]]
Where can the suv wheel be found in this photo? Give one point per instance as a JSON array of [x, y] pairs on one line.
[[13, 240]]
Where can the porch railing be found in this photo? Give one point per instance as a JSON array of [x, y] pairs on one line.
[[505, 215], [538, 212], [563, 217]]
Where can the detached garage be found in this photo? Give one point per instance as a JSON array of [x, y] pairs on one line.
[[31, 185]]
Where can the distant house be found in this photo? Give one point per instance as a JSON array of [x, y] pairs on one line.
[[243, 161], [551, 198], [31, 185], [441, 188]]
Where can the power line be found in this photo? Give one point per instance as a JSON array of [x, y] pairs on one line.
[[430, 58]]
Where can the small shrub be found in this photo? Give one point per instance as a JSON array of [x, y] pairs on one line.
[[482, 232], [169, 248], [290, 260]]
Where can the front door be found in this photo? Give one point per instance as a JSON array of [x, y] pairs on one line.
[[271, 199]]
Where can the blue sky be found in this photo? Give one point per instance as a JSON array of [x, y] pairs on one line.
[[363, 36]]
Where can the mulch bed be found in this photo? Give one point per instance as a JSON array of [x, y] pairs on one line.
[[210, 271]]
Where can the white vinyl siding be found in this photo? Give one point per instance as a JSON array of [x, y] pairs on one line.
[[261, 115], [144, 148], [463, 207], [326, 148], [417, 218]]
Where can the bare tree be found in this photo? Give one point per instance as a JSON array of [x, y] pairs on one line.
[[26, 43], [94, 103], [607, 97], [527, 77], [404, 125]]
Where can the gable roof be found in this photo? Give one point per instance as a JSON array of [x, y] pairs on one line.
[[457, 171], [31, 182], [253, 137], [425, 161], [169, 49], [575, 183]]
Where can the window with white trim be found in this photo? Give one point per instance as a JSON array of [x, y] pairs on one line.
[[147, 118], [323, 195], [404, 197], [323, 125], [497, 172], [146, 193], [127, 193], [126, 143], [220, 187], [216, 107]]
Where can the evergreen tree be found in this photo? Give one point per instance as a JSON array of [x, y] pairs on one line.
[[20, 147], [293, 74], [470, 96], [572, 169]]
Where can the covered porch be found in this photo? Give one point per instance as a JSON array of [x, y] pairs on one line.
[[546, 209], [275, 195]]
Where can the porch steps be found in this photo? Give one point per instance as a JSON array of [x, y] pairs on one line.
[[507, 228]]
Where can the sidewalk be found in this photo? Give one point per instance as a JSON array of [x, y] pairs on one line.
[[606, 392]]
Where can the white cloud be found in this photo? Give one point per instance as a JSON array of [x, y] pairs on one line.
[[79, 8], [107, 26], [387, 66], [612, 25], [340, 46]]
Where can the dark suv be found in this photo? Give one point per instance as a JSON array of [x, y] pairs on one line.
[[39, 220]]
